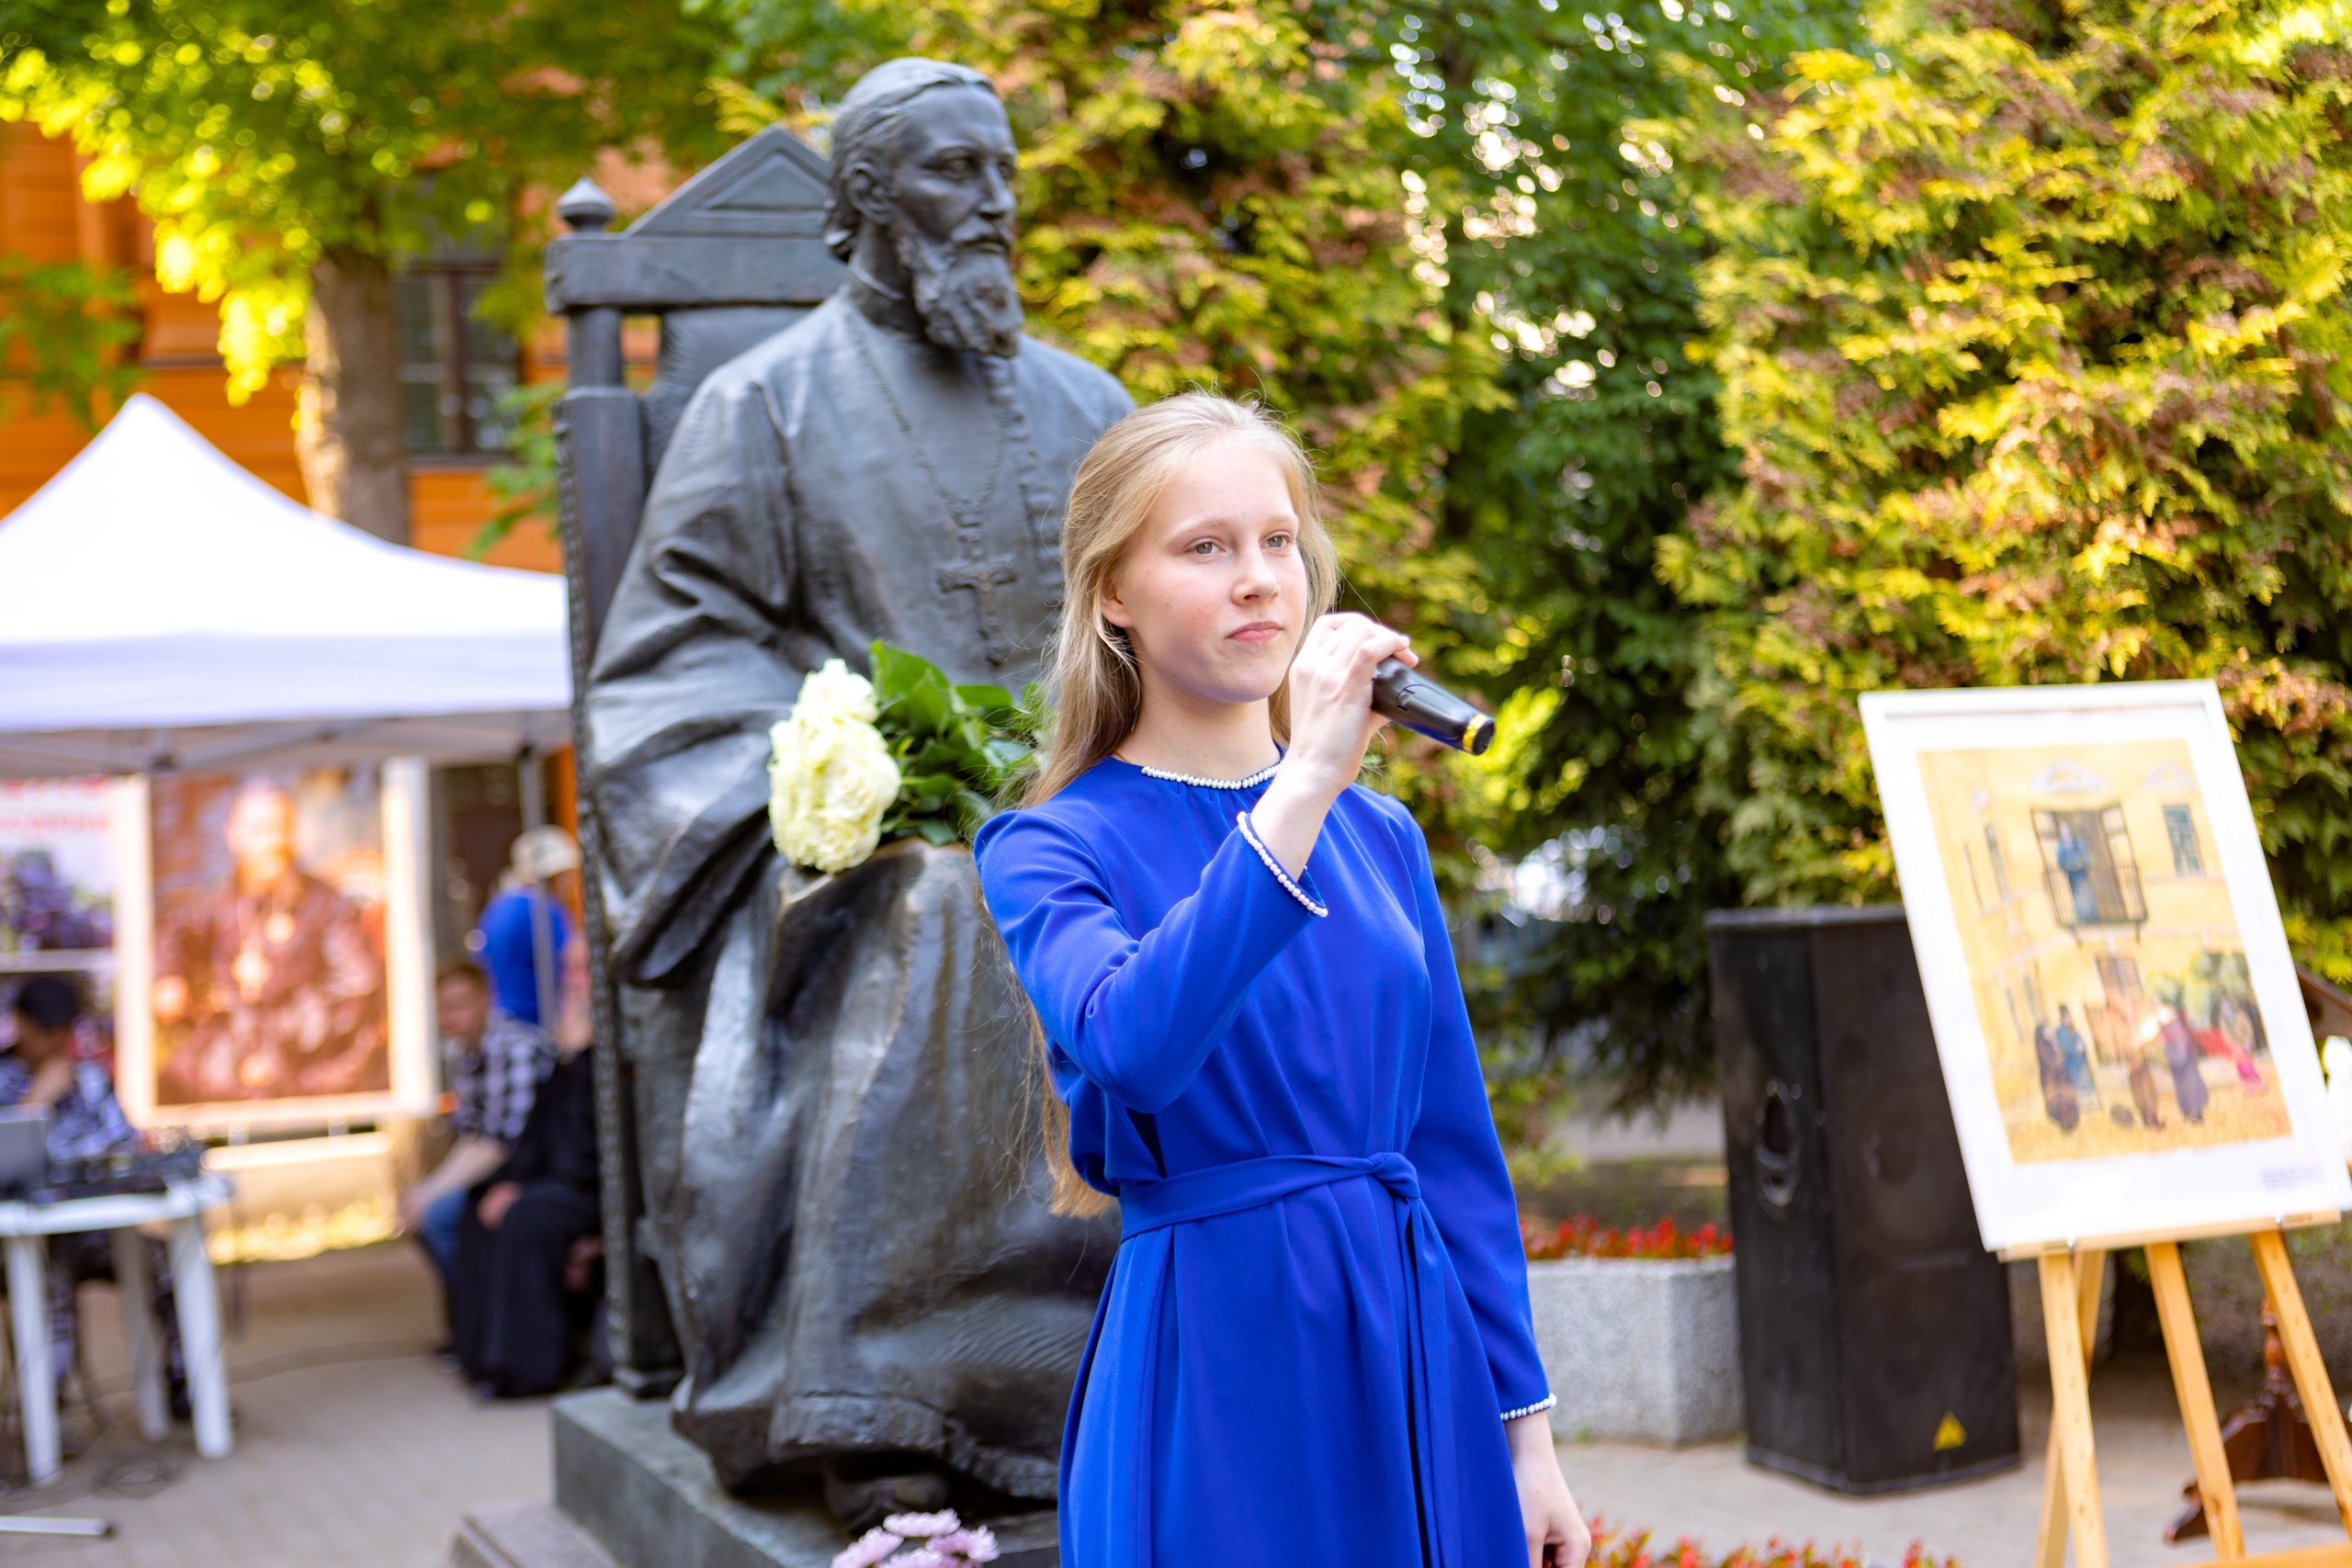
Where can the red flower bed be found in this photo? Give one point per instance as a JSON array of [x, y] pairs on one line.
[[1613, 1549], [1585, 1237]]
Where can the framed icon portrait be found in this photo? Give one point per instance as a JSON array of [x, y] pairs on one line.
[[275, 972]]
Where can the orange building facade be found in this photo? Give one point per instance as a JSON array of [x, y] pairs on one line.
[[45, 219]]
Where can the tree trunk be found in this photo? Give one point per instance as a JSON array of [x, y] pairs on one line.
[[355, 459]]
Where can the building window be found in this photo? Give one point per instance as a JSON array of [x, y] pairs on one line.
[[454, 365], [2180, 828], [2088, 869]]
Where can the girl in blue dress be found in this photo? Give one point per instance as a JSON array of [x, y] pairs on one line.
[[1315, 1346]]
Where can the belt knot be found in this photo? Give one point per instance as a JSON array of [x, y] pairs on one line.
[[1252, 1183], [1395, 1172], [1429, 1285]]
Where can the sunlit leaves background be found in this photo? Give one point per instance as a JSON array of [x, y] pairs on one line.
[[1678, 372]]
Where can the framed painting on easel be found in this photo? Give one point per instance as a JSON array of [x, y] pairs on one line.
[[2122, 1032], [2122, 1037]]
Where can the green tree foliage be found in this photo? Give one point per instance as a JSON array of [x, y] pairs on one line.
[[259, 135], [63, 329], [1571, 239], [2032, 337], [522, 487], [1427, 236], [1210, 197]]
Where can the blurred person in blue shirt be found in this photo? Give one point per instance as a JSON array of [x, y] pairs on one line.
[[541, 862]]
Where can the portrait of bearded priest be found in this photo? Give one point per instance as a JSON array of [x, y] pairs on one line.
[[834, 1103]]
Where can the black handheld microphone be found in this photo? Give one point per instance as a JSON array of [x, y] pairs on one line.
[[1403, 693]]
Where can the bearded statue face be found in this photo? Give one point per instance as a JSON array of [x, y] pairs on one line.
[[947, 204]]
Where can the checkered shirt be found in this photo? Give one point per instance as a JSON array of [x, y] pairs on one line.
[[85, 1121], [496, 1082]]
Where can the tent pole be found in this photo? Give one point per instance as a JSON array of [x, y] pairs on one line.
[[535, 815]]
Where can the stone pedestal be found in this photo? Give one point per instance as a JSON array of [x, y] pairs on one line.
[[523, 1535], [630, 1492], [647, 1498]]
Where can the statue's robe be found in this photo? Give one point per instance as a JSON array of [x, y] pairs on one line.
[[835, 1110]]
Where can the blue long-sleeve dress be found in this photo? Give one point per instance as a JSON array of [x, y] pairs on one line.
[[1318, 1321]]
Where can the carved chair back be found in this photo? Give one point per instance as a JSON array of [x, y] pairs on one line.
[[728, 258], [734, 254]]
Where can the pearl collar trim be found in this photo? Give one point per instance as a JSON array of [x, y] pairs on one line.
[[1261, 776]]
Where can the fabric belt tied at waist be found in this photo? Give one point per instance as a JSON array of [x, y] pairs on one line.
[[1147, 1206], [1252, 1183]]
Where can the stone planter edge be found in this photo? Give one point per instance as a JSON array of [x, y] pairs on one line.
[[1639, 1349]]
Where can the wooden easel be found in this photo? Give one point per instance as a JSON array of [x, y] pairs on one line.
[[2070, 1508]]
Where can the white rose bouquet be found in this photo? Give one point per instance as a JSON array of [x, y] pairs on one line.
[[830, 777], [907, 754]]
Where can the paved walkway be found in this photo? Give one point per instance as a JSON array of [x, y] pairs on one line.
[[1711, 1494], [356, 1450]]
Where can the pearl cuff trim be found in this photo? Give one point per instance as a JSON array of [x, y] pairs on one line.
[[1545, 1403], [1252, 781], [1249, 832]]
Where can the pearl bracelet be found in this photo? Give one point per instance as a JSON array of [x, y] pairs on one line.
[[1249, 832]]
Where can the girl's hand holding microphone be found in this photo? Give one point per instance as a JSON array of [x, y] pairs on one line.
[[1332, 722]]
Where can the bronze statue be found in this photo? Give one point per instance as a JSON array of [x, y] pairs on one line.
[[831, 1074]]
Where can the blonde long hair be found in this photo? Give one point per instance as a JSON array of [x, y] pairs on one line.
[[1096, 689]]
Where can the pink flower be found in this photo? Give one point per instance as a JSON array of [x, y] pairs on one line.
[[867, 1549], [920, 1527], [921, 1557], [977, 1545]]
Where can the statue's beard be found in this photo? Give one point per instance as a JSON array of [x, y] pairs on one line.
[[964, 293]]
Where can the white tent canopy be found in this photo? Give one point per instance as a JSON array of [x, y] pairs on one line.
[[161, 608]]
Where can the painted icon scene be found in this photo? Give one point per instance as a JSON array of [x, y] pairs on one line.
[[2109, 976]]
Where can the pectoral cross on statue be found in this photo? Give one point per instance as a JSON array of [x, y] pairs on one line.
[[983, 579]]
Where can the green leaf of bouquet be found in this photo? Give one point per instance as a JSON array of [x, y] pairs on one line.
[[935, 832], [992, 703], [936, 757], [971, 733], [911, 692], [895, 670], [930, 786], [972, 809], [1028, 719]]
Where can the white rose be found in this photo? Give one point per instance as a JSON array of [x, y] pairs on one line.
[[831, 779], [832, 692]]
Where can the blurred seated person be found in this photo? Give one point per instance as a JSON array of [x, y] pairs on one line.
[[543, 865], [45, 1067], [528, 1246], [500, 1062]]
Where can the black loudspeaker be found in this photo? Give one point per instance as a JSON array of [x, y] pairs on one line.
[[1874, 1327]]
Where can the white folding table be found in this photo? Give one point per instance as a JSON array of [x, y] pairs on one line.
[[25, 1230]]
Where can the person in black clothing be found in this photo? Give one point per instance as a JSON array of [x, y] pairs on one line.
[[517, 1294]]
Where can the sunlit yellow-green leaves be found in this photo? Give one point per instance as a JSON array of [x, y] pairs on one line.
[[2033, 343], [258, 134], [1416, 229]]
